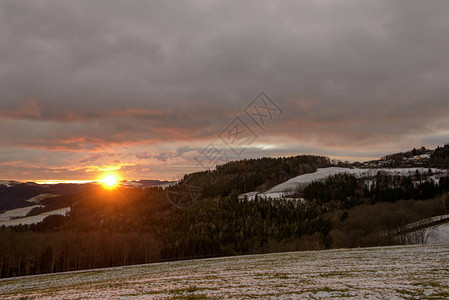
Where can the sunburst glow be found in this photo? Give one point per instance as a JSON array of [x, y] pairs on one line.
[[110, 181]]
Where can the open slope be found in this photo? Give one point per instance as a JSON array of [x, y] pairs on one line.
[[35, 219], [16, 213], [438, 234], [374, 273]]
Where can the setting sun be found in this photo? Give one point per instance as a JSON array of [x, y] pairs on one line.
[[110, 181]]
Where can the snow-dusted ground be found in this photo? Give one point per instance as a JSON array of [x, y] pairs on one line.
[[167, 184], [423, 232], [289, 187], [428, 221], [8, 183], [33, 219], [438, 234], [39, 198], [411, 272], [17, 212]]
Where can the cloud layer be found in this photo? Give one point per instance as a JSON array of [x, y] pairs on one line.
[[89, 84]]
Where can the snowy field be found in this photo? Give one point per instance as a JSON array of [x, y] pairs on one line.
[[39, 198], [33, 219], [368, 273], [16, 213], [438, 234], [17, 216]]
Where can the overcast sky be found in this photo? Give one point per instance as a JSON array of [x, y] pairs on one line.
[[146, 86]]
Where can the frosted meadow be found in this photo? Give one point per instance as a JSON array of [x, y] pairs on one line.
[[376, 273]]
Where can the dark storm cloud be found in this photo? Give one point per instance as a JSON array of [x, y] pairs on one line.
[[85, 75]]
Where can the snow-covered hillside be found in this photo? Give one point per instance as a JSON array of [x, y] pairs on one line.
[[438, 234], [289, 187], [39, 198], [32, 219], [167, 184], [9, 183], [16, 213]]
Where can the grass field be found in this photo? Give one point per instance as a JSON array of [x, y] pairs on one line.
[[408, 272]]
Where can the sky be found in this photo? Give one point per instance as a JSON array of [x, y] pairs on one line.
[[157, 89]]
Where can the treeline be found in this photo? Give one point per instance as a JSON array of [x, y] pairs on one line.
[[146, 227], [408, 154], [104, 228], [227, 226], [438, 159], [343, 191], [440, 156], [248, 175], [368, 225], [30, 252]]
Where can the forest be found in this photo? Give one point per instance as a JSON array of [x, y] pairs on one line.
[[440, 157], [132, 226]]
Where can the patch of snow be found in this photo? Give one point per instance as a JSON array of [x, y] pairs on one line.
[[423, 222], [35, 219], [272, 195], [422, 156], [16, 213], [39, 198], [9, 183], [322, 173], [167, 184], [438, 234], [249, 195], [133, 184]]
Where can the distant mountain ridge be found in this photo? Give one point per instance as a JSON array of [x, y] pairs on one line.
[[14, 194]]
